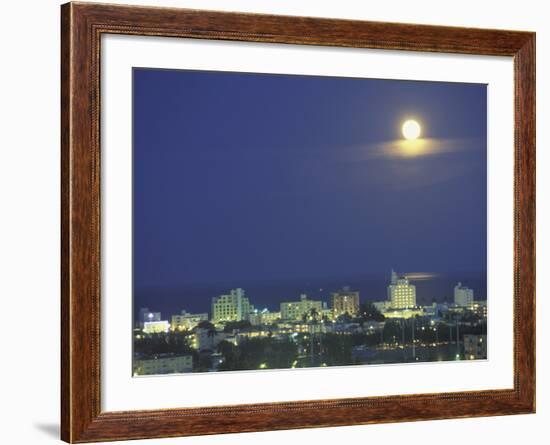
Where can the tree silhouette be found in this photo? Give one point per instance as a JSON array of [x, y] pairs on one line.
[[368, 312]]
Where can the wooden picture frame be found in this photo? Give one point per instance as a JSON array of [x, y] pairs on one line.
[[82, 25]]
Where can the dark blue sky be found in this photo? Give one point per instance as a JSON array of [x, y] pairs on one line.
[[250, 177]]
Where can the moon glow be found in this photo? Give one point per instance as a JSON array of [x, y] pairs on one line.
[[411, 129]]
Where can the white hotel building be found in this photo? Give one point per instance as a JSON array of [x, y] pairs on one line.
[[295, 310], [186, 321], [464, 296], [401, 293], [231, 307]]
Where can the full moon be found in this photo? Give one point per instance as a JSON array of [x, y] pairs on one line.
[[411, 129]]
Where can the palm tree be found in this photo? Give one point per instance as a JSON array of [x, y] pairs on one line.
[[313, 321], [313, 314]]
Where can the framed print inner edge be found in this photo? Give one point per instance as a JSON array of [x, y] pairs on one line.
[[122, 53], [81, 417]]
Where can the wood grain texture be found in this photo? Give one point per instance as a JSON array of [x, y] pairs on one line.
[[81, 28]]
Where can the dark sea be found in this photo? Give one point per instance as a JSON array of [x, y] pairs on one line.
[[269, 294]]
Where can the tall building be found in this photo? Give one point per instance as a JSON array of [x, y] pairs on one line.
[[464, 296], [345, 301], [401, 293], [295, 310], [186, 321], [231, 307]]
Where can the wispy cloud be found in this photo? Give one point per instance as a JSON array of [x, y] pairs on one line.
[[402, 148], [400, 164], [421, 276]]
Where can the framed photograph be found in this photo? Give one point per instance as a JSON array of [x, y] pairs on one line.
[[274, 222]]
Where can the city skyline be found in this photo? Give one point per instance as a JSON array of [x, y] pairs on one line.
[[436, 287], [325, 296], [304, 332]]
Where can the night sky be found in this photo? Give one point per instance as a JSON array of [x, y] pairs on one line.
[[242, 179]]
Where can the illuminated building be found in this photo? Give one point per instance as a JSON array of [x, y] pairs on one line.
[[263, 317], [187, 321], [308, 328], [156, 327], [403, 313], [382, 306], [475, 347], [327, 314], [464, 296], [295, 310], [254, 332], [479, 307], [231, 307], [401, 293], [270, 317], [345, 301], [146, 315], [164, 364]]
